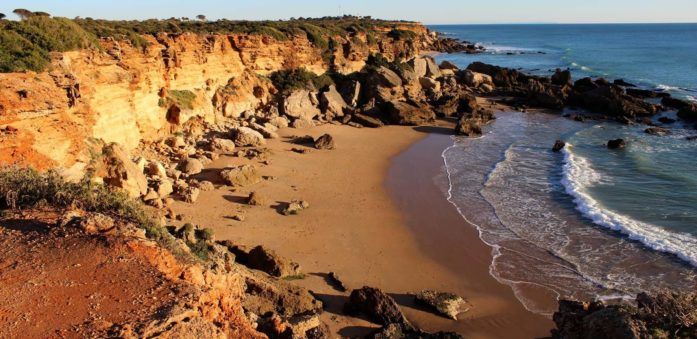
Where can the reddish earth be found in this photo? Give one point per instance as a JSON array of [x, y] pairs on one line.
[[61, 283]]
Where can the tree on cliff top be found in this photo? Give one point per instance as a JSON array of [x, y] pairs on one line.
[[201, 17], [23, 13], [2, 16]]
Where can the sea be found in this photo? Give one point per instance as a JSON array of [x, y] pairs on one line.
[[588, 222]]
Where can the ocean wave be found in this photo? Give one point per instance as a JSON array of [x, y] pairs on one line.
[[691, 98], [664, 87], [576, 181]]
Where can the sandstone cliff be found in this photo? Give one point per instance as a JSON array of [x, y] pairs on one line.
[[124, 94]]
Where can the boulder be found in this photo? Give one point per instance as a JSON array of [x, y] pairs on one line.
[[221, 145], [336, 282], [268, 261], [446, 304], [191, 166], [404, 113], [256, 199], [448, 65], [558, 145], [394, 331], [164, 187], [616, 144], [432, 70], [388, 78], [326, 141], [562, 78], [206, 186], [279, 122], [332, 103], [245, 136], [267, 132], [301, 104], [377, 305], [155, 168], [419, 66], [470, 124], [119, 171], [241, 176], [430, 83], [302, 123], [367, 120], [476, 80], [191, 194], [621, 82], [688, 112], [658, 131]]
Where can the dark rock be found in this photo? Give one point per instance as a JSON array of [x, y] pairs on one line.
[[378, 306], [666, 120], [674, 103], [616, 144], [642, 93], [584, 85], [664, 315], [367, 121], [558, 145], [470, 124], [562, 78], [691, 138], [688, 112], [326, 141], [659, 131], [259, 258], [334, 280], [621, 82]]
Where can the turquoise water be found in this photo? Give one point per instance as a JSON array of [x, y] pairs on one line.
[[660, 56], [587, 222]]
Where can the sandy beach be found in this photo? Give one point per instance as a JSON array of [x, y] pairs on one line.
[[377, 218]]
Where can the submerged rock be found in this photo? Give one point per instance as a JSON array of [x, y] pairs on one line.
[[558, 145], [659, 131], [616, 144]]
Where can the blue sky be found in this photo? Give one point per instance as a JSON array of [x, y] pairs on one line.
[[427, 11]]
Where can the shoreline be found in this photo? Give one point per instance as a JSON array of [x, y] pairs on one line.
[[357, 228]]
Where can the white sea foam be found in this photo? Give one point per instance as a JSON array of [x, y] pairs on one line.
[[691, 98], [576, 180], [667, 87]]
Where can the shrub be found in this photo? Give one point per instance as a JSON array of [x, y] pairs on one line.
[[401, 35], [182, 98], [22, 188], [288, 80]]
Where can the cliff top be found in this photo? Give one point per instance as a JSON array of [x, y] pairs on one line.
[[27, 44]]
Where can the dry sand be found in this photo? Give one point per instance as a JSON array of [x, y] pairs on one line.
[[372, 221]]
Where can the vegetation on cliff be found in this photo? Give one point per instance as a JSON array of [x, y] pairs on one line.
[[26, 44]]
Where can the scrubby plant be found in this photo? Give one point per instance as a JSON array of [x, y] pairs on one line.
[[401, 35], [300, 78], [183, 99], [25, 188]]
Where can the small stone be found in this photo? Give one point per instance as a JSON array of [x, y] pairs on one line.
[[191, 166], [294, 207], [256, 199], [325, 142], [238, 217], [616, 144], [206, 186], [191, 194], [447, 304]]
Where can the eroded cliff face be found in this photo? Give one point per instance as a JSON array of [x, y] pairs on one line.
[[127, 95]]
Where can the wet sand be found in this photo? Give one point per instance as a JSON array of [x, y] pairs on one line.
[[377, 218]]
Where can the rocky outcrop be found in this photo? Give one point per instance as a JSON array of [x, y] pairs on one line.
[[301, 104], [118, 170], [405, 113], [664, 314], [377, 305]]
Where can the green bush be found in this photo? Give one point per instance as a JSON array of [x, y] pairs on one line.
[[288, 80], [401, 35], [184, 99], [22, 188]]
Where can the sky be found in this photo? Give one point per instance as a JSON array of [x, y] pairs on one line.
[[426, 11]]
